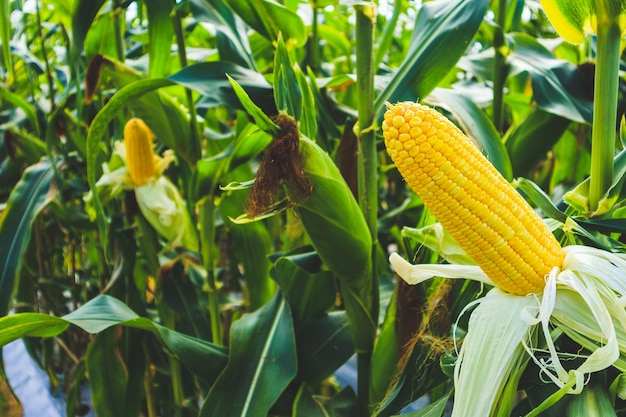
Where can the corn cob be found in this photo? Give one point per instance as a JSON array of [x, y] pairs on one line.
[[495, 226], [140, 157]]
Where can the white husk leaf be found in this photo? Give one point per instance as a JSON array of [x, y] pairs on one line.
[[492, 347]]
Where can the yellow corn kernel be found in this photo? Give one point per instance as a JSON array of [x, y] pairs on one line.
[[495, 226], [140, 157]]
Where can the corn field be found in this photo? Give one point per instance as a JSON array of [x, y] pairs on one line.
[[214, 208]]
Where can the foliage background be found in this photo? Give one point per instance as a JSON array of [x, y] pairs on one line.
[[257, 320]]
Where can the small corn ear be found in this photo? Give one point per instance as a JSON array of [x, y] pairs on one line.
[[495, 226], [140, 157]]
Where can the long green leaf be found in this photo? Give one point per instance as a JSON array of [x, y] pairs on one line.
[[261, 364], [530, 140], [203, 359], [260, 118], [323, 344], [251, 244], [5, 37], [435, 409], [443, 30], [209, 79], [231, 37], [309, 290], [85, 11], [269, 18], [30, 195], [335, 223], [287, 92], [19, 101], [107, 375], [30, 325], [305, 404], [559, 87], [160, 33]]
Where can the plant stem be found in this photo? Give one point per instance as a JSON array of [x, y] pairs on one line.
[[148, 385], [367, 169], [44, 53], [500, 67], [207, 237], [182, 56], [368, 166], [314, 47], [119, 42], [5, 37], [604, 107], [169, 320]]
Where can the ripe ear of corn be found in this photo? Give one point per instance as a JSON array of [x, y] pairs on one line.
[[495, 226], [140, 157]]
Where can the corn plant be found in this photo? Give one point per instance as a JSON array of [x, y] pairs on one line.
[[210, 206]]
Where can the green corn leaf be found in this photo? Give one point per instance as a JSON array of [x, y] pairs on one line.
[[83, 14], [530, 140], [574, 19], [203, 359], [287, 92], [30, 325], [18, 101], [160, 34], [386, 354], [31, 194], [262, 361], [336, 226], [209, 79], [335, 38], [559, 87], [304, 405], [269, 18], [532, 192], [571, 161], [250, 141], [101, 36], [182, 295], [251, 244], [345, 403], [232, 41], [309, 290], [25, 147], [308, 115], [434, 409], [324, 343], [594, 401], [107, 375], [332, 215], [5, 38], [260, 118], [578, 197], [443, 30]]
